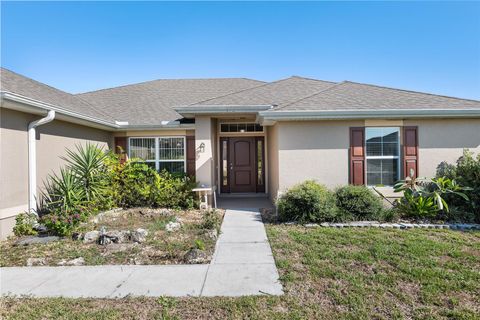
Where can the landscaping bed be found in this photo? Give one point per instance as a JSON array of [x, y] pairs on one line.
[[131, 236], [326, 273]]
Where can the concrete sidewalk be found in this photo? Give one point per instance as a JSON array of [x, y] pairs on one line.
[[242, 265]]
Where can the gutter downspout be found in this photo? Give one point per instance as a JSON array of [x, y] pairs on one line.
[[32, 160]]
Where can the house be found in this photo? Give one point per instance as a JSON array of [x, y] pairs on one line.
[[239, 135]]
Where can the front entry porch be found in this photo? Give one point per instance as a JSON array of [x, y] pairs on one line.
[[231, 155], [242, 164]]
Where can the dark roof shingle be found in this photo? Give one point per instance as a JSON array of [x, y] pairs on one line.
[[274, 93], [151, 102], [351, 96], [15, 83]]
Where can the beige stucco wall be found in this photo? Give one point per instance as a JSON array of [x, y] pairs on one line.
[[52, 139], [319, 149], [272, 158], [444, 140], [314, 150], [204, 143]]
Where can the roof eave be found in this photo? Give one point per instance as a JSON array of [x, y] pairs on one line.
[[26, 104], [272, 116], [194, 110], [179, 126]]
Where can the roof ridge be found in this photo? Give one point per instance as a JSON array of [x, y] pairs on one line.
[[411, 91], [311, 95], [262, 85], [228, 94], [162, 79], [313, 79]]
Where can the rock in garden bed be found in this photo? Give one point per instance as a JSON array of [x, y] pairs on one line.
[[35, 240], [134, 236], [74, 262], [139, 235], [91, 236], [173, 226], [31, 262], [195, 256], [115, 236]]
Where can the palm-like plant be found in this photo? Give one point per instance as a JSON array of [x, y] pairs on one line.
[[63, 191], [87, 163]]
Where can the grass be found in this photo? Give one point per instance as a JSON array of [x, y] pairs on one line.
[[326, 274], [160, 247]]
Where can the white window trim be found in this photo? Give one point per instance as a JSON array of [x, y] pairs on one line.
[[367, 157], [157, 151], [239, 132]]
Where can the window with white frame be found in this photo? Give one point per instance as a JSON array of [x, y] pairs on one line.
[[160, 153], [382, 155]]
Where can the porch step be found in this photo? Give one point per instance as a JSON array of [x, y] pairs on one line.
[[243, 195]]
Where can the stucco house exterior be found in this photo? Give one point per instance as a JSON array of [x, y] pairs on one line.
[[237, 135]]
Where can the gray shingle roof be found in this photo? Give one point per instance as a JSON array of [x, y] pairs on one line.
[[273, 93], [21, 85], [151, 102], [350, 95]]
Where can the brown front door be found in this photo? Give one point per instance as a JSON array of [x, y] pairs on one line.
[[242, 165]]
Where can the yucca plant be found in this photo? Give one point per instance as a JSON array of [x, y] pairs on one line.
[[87, 163], [63, 191]]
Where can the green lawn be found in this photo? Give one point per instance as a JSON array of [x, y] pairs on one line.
[[327, 274]]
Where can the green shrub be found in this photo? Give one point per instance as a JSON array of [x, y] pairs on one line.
[[210, 220], [358, 203], [389, 215], [467, 173], [82, 187], [424, 198], [24, 223], [175, 191], [307, 202], [136, 185], [87, 163], [63, 222], [63, 191], [199, 244]]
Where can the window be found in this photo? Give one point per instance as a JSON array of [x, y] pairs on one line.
[[382, 155], [240, 127], [260, 162], [143, 148], [224, 163], [160, 153]]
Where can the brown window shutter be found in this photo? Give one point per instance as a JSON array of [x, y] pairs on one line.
[[410, 151], [120, 144], [120, 147], [357, 156], [191, 155]]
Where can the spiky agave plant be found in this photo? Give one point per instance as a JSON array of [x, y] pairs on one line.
[[63, 191], [87, 163]]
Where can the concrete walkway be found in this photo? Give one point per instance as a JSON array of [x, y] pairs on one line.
[[242, 265]]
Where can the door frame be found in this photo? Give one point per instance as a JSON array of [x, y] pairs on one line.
[[256, 137]]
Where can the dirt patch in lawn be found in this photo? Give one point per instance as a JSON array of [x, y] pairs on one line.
[[168, 236]]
